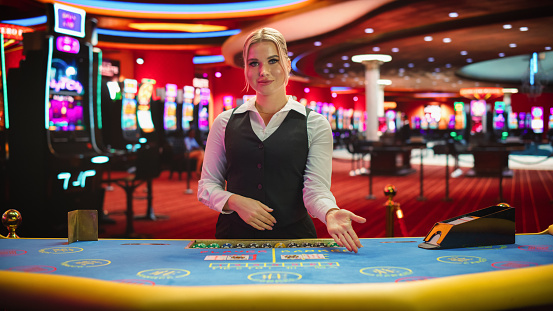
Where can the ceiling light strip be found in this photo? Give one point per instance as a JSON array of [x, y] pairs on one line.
[[210, 59], [167, 35], [133, 34], [33, 21], [191, 11]]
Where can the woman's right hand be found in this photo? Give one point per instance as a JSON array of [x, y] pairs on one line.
[[253, 212]]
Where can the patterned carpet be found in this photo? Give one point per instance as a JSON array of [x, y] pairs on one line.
[[530, 191]]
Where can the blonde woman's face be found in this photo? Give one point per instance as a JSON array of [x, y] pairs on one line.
[[264, 68]]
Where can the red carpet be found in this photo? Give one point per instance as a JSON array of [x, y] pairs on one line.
[[529, 191]]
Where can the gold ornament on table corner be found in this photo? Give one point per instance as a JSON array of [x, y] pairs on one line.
[[11, 219]]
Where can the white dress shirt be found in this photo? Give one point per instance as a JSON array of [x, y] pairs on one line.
[[317, 197]]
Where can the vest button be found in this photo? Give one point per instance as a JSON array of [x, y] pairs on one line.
[[260, 186], [259, 165], [261, 146]]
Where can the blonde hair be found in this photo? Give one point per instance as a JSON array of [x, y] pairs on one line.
[[268, 35]]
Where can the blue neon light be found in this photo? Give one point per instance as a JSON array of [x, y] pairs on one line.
[[65, 177], [4, 93], [167, 35], [296, 60], [208, 59], [533, 68], [47, 86], [134, 34], [81, 179], [33, 21], [99, 159], [339, 88], [183, 8]]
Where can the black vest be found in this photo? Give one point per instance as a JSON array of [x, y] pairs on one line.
[[271, 172]]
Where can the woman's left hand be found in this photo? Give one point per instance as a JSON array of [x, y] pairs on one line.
[[338, 224]]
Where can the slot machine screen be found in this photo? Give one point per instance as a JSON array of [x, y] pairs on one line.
[[66, 114], [550, 124], [128, 117], [522, 120], [537, 119], [390, 121], [170, 108], [459, 108], [128, 107], [477, 111], [66, 108], [513, 121], [144, 113], [203, 110], [188, 107]]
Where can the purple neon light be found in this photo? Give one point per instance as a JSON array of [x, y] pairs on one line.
[[68, 45]]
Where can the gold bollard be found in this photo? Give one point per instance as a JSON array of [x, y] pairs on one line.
[[391, 208], [11, 219]]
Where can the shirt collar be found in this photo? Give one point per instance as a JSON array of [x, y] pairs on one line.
[[290, 105]]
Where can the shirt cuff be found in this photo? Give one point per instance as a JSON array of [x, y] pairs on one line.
[[322, 207]]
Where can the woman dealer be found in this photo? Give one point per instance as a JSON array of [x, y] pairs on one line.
[[275, 157]]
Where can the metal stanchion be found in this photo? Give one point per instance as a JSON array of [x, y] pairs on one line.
[[421, 196], [391, 208], [188, 173], [370, 196], [447, 198]]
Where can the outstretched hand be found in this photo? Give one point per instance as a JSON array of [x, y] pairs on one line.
[[253, 212], [338, 224]]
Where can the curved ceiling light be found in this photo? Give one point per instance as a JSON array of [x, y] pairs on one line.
[[133, 34], [177, 27], [33, 21], [167, 35], [188, 11]]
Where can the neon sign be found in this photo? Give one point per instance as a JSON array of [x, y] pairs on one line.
[[68, 45], [69, 20], [81, 179], [65, 83], [14, 31]]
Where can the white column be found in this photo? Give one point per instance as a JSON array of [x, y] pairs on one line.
[[372, 95], [380, 106]]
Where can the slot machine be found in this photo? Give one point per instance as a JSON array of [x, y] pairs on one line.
[[188, 108], [513, 121], [357, 116], [55, 163], [477, 112], [550, 126], [460, 117], [499, 121], [340, 118], [170, 109], [550, 123], [203, 110], [415, 123], [522, 120], [382, 127], [144, 109], [129, 122], [390, 121], [228, 102], [536, 123]]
